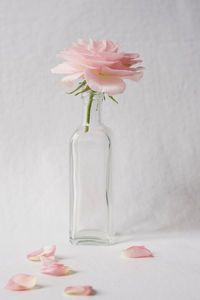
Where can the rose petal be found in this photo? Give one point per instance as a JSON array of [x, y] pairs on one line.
[[55, 269], [100, 64], [66, 68], [137, 76], [21, 282], [108, 84], [115, 72], [68, 80], [46, 251], [79, 290], [136, 252], [47, 261]]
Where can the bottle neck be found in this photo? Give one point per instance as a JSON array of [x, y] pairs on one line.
[[92, 109]]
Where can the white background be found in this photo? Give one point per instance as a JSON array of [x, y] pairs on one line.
[[156, 141]]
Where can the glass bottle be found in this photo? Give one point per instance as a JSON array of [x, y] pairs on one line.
[[90, 177]]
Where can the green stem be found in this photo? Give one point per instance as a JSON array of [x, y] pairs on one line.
[[111, 97], [88, 111], [83, 91], [80, 86]]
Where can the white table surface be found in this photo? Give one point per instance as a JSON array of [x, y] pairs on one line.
[[172, 274]]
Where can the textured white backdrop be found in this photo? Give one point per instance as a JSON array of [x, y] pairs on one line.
[[156, 126]]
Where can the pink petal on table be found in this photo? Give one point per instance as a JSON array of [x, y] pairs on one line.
[[136, 252], [79, 290], [56, 270], [47, 261], [21, 282], [46, 251]]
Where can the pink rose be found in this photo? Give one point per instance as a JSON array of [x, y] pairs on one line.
[[100, 64]]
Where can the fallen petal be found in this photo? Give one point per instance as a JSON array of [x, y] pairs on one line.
[[21, 282], [56, 270], [79, 290], [51, 266], [47, 261], [47, 251], [136, 252]]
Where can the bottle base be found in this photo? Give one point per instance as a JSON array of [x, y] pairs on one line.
[[91, 238]]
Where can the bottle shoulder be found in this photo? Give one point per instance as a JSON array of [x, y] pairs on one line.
[[97, 132]]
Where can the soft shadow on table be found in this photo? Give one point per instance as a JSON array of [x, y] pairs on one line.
[[72, 272], [94, 292], [39, 286], [60, 257]]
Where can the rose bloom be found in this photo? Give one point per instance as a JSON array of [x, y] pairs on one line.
[[99, 63]]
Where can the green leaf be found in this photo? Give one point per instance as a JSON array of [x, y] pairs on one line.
[[80, 86], [111, 97]]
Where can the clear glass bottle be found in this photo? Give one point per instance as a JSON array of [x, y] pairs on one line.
[[90, 147]]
